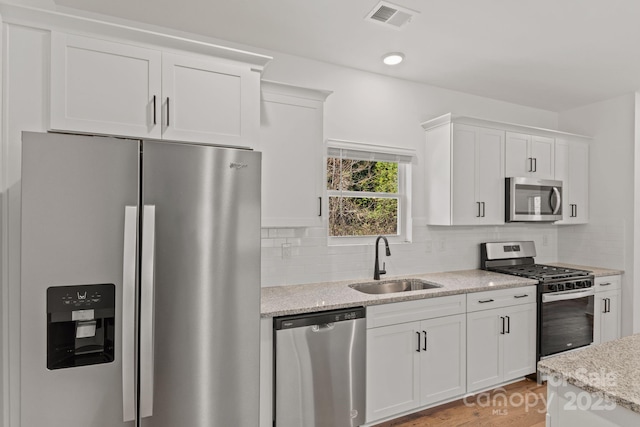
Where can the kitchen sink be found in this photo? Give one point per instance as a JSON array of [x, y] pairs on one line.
[[393, 286]]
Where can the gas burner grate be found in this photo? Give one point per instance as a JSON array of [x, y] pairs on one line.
[[541, 272]]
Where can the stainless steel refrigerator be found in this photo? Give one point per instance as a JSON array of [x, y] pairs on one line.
[[140, 283]]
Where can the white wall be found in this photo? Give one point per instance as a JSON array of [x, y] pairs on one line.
[[372, 108], [608, 239]]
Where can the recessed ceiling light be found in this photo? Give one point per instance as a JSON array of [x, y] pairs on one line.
[[393, 58]]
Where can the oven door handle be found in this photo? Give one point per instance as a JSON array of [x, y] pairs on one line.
[[551, 297]]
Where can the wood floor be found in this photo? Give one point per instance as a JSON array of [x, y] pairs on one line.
[[521, 404]]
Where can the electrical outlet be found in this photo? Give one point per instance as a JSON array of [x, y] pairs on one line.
[[286, 250], [428, 246]]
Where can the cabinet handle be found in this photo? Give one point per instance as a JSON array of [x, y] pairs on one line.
[[425, 340], [608, 305], [605, 284], [530, 159], [418, 349], [575, 214], [508, 324], [535, 164], [502, 330], [483, 211], [521, 296], [154, 110], [168, 108], [485, 300], [478, 203], [319, 206]]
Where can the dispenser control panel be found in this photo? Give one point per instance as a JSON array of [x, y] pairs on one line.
[[62, 301], [80, 325]]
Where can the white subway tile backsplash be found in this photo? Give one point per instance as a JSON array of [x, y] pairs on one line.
[[451, 248]]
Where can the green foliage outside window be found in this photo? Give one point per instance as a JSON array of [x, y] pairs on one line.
[[368, 200]]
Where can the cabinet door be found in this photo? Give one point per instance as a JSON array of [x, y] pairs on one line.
[[572, 168], [490, 176], [519, 341], [465, 207], [562, 174], [579, 182], [291, 142], [208, 101], [608, 304], [529, 155], [393, 363], [104, 87], [484, 356], [443, 358], [517, 158], [541, 151]]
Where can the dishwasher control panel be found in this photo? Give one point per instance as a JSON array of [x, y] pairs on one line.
[[323, 317]]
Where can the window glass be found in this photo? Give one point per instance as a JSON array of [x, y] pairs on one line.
[[364, 197]]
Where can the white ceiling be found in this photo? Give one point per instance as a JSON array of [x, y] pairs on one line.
[[549, 54]]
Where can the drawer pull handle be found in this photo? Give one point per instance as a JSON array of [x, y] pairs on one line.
[[485, 300], [521, 296], [605, 284]]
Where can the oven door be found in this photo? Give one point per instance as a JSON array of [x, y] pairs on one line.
[[566, 321]]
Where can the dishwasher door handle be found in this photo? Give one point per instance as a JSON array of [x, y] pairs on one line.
[[323, 327]]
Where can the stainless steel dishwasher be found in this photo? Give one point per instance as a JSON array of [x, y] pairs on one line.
[[320, 369]]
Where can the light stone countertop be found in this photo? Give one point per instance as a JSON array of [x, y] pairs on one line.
[[308, 298], [597, 271], [610, 370], [297, 299]]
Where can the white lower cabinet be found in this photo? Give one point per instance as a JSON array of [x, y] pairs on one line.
[[501, 342], [416, 363], [606, 322]]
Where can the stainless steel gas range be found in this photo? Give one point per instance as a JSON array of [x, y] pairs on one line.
[[565, 295]]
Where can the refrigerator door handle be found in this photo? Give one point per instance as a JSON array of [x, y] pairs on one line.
[[147, 304], [129, 313]]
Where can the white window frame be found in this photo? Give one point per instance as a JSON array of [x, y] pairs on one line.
[[362, 151]]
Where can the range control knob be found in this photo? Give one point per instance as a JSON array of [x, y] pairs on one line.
[[570, 285]]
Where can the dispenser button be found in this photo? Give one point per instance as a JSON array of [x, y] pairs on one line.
[[82, 315], [86, 329]]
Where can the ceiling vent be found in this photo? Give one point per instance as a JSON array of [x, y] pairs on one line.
[[390, 15]]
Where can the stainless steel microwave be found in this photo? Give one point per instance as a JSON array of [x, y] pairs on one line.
[[533, 200]]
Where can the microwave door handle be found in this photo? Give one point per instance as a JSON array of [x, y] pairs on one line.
[[556, 192]]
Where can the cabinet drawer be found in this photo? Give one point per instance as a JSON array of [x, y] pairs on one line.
[[608, 283], [410, 311], [501, 298]]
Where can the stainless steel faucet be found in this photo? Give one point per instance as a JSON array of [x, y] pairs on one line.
[[376, 268]]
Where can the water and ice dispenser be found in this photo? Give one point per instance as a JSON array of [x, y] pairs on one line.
[[80, 325]]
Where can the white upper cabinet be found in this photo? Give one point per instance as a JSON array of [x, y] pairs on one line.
[[292, 142], [467, 160], [529, 156], [465, 175], [572, 168], [205, 100], [105, 87]]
